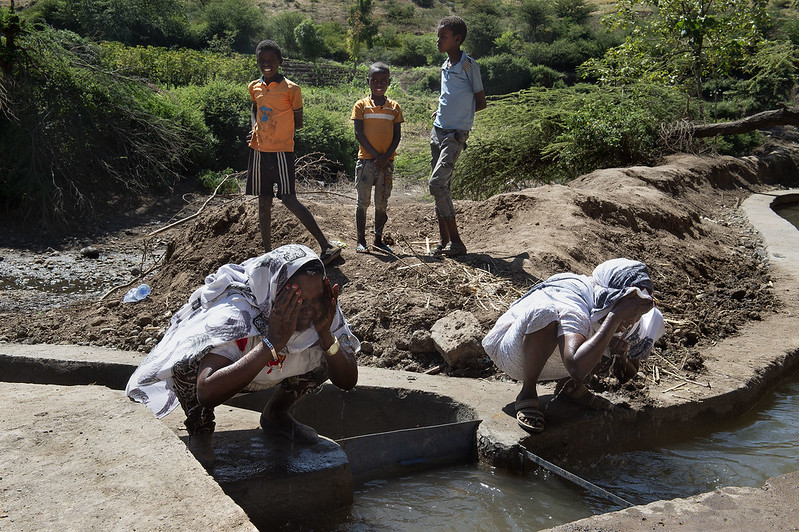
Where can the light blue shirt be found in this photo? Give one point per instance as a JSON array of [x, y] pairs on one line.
[[459, 83]]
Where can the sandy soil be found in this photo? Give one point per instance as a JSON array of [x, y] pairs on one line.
[[682, 219]]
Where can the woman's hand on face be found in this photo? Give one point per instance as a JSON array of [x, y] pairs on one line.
[[283, 318], [322, 325], [631, 307]]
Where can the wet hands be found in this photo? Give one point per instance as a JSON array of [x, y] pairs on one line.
[[631, 307], [328, 311], [284, 315]]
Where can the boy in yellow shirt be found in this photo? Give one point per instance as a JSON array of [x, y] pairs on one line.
[[377, 122], [276, 113]]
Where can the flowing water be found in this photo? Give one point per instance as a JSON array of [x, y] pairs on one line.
[[743, 452], [790, 213]]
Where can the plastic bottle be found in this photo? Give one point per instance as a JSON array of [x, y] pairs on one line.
[[137, 294]]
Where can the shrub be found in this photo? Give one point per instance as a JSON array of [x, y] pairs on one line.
[[505, 73], [224, 108], [309, 41], [240, 19], [418, 50], [280, 28], [76, 135], [175, 67], [325, 131]]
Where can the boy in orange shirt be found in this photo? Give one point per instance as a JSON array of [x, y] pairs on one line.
[[377, 128], [276, 113]]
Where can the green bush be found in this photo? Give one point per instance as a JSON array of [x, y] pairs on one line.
[[326, 132], [239, 19], [133, 22], [539, 135], [224, 108], [505, 73], [176, 67], [280, 28]]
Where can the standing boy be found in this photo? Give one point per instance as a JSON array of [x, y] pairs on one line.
[[377, 128], [462, 95], [276, 113]]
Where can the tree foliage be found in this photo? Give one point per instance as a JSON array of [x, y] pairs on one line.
[[309, 40], [73, 134], [685, 43]]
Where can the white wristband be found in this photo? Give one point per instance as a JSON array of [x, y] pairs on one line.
[[269, 346]]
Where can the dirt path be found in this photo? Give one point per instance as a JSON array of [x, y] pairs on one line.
[[682, 219]]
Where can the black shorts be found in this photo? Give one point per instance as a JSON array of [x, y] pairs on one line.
[[265, 169]]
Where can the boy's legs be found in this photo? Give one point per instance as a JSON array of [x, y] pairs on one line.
[[282, 171], [259, 183], [445, 148], [365, 174], [383, 186]]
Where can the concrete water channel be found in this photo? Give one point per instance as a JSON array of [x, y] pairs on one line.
[[102, 458]]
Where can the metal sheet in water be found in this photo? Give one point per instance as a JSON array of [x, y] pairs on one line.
[[399, 452]]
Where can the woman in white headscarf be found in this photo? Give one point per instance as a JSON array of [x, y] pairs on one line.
[[273, 319], [582, 317]]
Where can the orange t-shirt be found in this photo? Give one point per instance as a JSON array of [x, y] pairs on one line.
[[275, 105], [378, 124]]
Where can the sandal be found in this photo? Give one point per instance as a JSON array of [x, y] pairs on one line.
[[329, 254], [529, 416], [438, 250], [578, 393], [361, 248], [454, 250], [382, 246]]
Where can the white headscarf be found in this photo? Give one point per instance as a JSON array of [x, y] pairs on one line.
[[234, 303]]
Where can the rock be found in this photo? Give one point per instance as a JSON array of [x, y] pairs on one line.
[[90, 253], [421, 342], [367, 348], [457, 338]]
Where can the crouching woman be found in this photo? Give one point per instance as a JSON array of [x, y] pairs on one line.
[[271, 320], [582, 317]]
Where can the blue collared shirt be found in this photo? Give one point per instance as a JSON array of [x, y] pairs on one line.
[[459, 83]]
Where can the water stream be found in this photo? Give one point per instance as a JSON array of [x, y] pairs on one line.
[[743, 452], [790, 213]]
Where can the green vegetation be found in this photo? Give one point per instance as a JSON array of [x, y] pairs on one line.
[[127, 96]]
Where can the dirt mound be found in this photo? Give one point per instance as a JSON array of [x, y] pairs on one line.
[[681, 219]]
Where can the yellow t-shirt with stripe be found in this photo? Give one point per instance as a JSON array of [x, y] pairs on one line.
[[275, 105], [378, 124]]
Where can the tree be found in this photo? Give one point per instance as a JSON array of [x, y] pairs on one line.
[[681, 42], [280, 29], [309, 40], [362, 28]]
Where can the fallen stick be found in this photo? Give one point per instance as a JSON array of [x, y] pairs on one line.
[[707, 385], [577, 480], [675, 387], [183, 220], [434, 370]]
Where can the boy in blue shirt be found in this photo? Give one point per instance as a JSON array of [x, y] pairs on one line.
[[461, 96]]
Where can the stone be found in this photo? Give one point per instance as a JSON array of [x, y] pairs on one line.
[[457, 338], [421, 342]]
